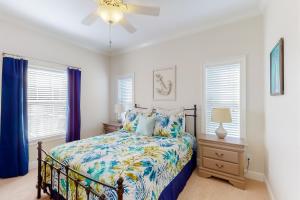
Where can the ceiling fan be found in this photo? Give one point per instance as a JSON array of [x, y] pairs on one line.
[[112, 12]]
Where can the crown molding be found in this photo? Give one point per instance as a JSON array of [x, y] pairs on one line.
[[49, 32], [100, 49], [204, 27]]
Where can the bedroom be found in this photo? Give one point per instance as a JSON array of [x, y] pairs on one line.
[[118, 69]]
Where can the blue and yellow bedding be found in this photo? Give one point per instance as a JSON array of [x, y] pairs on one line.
[[147, 163]]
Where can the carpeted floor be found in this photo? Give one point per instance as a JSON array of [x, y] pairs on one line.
[[197, 188]]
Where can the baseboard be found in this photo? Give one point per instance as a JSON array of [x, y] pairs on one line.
[[33, 165], [270, 191], [257, 176]]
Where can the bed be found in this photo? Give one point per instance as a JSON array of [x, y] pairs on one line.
[[119, 165]]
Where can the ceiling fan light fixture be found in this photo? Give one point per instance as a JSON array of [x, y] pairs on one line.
[[111, 14]]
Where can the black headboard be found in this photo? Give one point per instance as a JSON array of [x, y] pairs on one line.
[[189, 112]]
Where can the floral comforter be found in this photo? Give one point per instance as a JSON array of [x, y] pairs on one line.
[[147, 164]]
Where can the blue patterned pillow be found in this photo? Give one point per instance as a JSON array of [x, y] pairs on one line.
[[132, 119], [169, 125]]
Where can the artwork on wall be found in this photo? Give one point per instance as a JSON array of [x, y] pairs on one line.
[[277, 69], [164, 84]]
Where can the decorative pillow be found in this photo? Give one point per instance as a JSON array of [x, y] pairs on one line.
[[145, 125], [146, 112], [172, 111], [169, 125], [132, 119]]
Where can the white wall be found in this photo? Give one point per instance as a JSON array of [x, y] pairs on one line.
[[189, 54], [95, 72], [281, 19]]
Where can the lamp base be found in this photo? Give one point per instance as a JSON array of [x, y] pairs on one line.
[[119, 118], [221, 132]]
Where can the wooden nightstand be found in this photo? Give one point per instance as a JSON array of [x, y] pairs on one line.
[[111, 127], [222, 158]]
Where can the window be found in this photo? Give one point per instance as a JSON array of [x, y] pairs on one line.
[[47, 102], [224, 88], [125, 91]]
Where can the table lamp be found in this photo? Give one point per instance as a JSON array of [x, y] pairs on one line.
[[221, 115], [118, 111]]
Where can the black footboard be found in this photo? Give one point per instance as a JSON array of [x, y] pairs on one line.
[[65, 170]]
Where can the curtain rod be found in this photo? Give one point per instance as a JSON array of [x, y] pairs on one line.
[[31, 58]]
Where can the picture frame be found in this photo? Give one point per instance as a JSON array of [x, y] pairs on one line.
[[164, 84], [277, 69]]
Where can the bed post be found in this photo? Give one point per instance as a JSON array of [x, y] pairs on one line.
[[120, 188], [195, 120], [39, 183]]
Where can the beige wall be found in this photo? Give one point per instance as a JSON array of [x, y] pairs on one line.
[[95, 72], [281, 19], [189, 54]]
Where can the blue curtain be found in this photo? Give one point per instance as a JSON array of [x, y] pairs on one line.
[[13, 135], [73, 108]]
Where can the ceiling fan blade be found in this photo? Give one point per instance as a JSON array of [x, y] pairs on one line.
[[91, 18], [143, 10], [127, 26]]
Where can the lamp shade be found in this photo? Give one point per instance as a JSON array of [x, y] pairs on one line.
[[221, 115], [118, 108]]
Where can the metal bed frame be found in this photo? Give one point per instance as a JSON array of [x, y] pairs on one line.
[[194, 115], [65, 170]]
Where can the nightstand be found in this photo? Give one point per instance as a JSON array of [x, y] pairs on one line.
[[111, 127], [222, 158]]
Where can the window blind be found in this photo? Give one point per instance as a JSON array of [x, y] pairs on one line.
[[125, 90], [223, 91], [47, 102]]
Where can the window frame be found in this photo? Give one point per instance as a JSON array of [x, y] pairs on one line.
[[243, 87], [124, 76], [48, 67]]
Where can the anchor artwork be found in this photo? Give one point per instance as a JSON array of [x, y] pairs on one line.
[[164, 84]]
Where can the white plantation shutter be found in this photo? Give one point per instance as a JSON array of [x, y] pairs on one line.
[[47, 102], [223, 87], [125, 92]]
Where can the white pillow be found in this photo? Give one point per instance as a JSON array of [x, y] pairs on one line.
[[146, 112], [171, 111]]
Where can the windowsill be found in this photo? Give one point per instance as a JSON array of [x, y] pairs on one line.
[[47, 139]]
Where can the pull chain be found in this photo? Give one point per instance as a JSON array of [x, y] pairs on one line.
[[110, 42]]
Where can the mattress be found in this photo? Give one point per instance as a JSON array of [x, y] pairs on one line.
[[147, 164]]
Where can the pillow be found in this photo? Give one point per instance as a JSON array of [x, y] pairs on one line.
[[131, 121], [147, 112], [145, 125], [169, 125], [132, 118], [172, 111]]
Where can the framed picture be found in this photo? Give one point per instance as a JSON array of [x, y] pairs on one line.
[[164, 84], [277, 69]]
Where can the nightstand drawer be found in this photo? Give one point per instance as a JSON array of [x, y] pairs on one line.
[[111, 127], [220, 154], [221, 166], [109, 130]]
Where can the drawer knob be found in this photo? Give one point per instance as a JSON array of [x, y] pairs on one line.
[[219, 166], [219, 154]]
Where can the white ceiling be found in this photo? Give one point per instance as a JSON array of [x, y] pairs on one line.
[[63, 18]]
